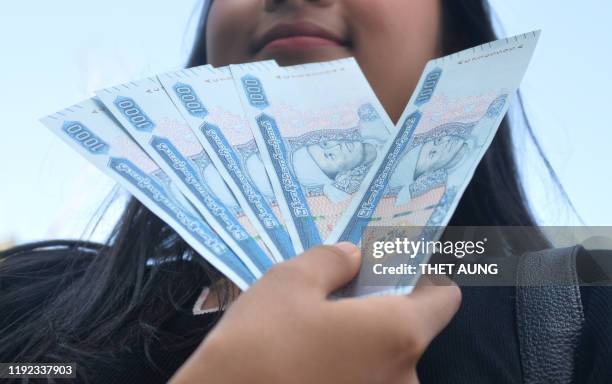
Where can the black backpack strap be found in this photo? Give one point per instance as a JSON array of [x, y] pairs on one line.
[[549, 314]]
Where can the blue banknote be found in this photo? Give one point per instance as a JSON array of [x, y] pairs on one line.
[[150, 117], [253, 163], [90, 129], [209, 103], [319, 128], [442, 134]]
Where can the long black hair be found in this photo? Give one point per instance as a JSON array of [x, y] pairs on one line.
[[75, 301]]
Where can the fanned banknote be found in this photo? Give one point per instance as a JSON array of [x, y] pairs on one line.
[[254, 163], [90, 130], [209, 103], [443, 133], [146, 112], [319, 128]]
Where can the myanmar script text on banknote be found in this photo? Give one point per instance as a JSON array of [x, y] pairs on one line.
[[319, 127], [209, 103], [443, 133], [90, 129], [146, 112]]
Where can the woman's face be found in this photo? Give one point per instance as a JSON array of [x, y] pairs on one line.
[[391, 39]]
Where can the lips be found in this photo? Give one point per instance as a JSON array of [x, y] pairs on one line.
[[297, 36]]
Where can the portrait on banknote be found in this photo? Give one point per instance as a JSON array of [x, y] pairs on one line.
[[436, 157], [332, 163]]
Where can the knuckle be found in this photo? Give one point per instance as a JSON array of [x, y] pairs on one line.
[[306, 276], [419, 343], [410, 340], [411, 343], [306, 268], [327, 249], [291, 272], [280, 272], [335, 256], [339, 259]]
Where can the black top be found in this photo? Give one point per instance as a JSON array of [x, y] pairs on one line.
[[479, 346]]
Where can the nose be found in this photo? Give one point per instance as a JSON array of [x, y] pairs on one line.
[[273, 5]]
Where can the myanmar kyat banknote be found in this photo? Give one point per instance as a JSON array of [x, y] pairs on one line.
[[319, 128], [95, 134], [146, 112], [209, 103], [442, 134]]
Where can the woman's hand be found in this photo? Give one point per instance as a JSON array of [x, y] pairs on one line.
[[284, 329]]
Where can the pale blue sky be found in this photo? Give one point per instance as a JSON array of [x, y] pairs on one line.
[[56, 53]]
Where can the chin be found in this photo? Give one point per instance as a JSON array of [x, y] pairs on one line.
[[295, 57]]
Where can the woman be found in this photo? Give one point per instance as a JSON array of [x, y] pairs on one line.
[[123, 319]]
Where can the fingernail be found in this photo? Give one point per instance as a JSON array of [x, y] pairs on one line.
[[347, 247]]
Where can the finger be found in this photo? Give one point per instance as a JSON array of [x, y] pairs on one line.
[[436, 300], [409, 323], [409, 377], [327, 267]]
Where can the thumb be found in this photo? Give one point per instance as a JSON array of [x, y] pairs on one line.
[[438, 299], [327, 267]]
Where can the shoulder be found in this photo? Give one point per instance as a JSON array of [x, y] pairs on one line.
[[551, 277], [37, 286], [33, 262], [595, 346], [51, 247], [31, 274], [564, 313], [483, 342]]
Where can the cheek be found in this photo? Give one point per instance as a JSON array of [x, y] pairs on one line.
[[400, 28], [393, 41], [228, 30]]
